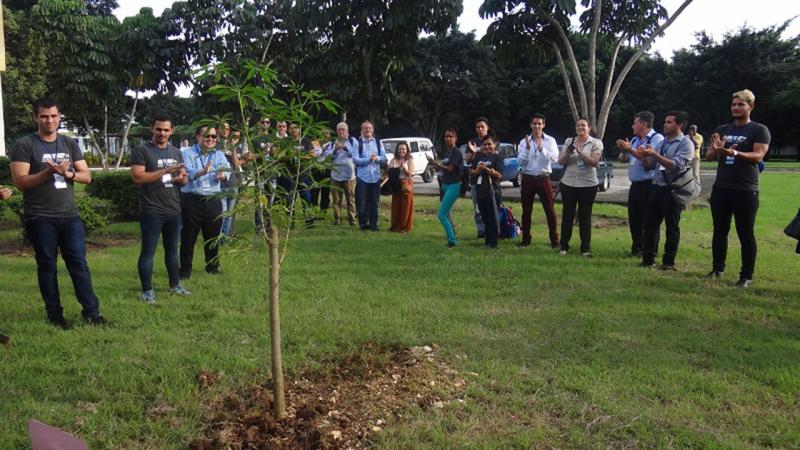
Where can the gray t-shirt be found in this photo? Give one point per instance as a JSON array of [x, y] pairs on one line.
[[56, 197], [157, 197], [576, 172]]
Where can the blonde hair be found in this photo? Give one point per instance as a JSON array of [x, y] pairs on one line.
[[745, 95]]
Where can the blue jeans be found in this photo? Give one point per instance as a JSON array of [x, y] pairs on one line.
[[367, 197], [473, 190], [169, 227], [48, 235], [450, 195], [228, 203]]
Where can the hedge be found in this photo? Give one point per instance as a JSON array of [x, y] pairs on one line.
[[117, 187]]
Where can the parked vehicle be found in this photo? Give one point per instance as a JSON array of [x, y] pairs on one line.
[[605, 172], [420, 149], [510, 162]]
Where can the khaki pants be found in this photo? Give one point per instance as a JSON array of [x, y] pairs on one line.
[[344, 190], [696, 168]]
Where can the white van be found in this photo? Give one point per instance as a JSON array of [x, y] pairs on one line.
[[420, 149]]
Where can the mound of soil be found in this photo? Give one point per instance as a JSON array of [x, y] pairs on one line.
[[341, 407]]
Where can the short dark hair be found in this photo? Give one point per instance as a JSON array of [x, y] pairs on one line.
[[482, 119], [162, 116], [44, 102], [681, 117], [646, 117], [489, 137], [451, 130], [538, 116]]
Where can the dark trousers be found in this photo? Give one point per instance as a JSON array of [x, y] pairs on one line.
[[321, 196], [48, 235], [368, 196], [531, 187], [582, 199], [661, 207], [743, 206], [487, 205], [169, 228], [200, 213], [637, 206]]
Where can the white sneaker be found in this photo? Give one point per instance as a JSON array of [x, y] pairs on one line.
[[563, 253]]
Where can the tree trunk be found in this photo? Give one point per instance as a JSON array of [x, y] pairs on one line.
[[124, 145], [106, 142], [278, 401], [94, 142], [567, 83]]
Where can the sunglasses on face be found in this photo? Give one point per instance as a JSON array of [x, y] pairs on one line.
[[210, 136]]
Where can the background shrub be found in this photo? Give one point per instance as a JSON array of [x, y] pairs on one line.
[[117, 187], [95, 213], [5, 171]]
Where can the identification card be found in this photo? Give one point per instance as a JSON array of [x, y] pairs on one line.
[[729, 160], [479, 180], [581, 164], [204, 183], [59, 181], [167, 180]]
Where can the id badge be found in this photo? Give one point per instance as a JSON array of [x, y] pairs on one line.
[[480, 180], [729, 160], [167, 180], [581, 164], [59, 181]]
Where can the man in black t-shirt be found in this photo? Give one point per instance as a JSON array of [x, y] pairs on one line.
[[157, 168], [45, 167], [737, 147]]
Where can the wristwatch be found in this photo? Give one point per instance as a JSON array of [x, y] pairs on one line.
[[70, 178]]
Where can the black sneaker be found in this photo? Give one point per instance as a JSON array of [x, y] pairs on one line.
[[96, 321], [647, 265], [523, 244], [744, 283], [213, 271], [59, 322], [668, 267], [714, 274], [451, 244]]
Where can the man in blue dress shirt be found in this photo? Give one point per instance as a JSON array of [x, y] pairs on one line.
[[640, 172], [368, 155]]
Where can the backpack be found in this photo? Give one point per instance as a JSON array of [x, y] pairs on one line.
[[508, 225]]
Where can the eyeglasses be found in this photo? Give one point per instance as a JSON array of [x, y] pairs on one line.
[[265, 122], [210, 136]]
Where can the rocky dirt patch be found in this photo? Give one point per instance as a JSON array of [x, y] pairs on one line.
[[343, 405]]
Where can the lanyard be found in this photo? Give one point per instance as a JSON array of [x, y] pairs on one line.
[[166, 155], [200, 157], [53, 156], [666, 145]]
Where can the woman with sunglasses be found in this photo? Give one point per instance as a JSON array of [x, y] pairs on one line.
[[201, 204]]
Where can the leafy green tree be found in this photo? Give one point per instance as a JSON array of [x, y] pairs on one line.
[[145, 52], [24, 79], [252, 87], [353, 50], [83, 72], [450, 80], [606, 25]]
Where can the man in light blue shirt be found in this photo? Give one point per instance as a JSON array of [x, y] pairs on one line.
[[201, 202], [671, 157], [368, 155], [640, 172]]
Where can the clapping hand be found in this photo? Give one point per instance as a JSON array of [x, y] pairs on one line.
[[718, 144], [60, 168]]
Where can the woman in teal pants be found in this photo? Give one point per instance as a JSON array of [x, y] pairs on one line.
[[451, 167]]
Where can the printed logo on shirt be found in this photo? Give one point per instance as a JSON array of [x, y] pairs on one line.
[[166, 162], [49, 157], [733, 139]]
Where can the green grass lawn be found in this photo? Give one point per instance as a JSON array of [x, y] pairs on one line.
[[569, 352]]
